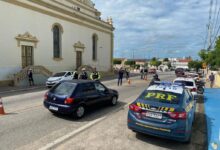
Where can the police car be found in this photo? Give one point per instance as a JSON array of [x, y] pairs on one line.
[[163, 110]]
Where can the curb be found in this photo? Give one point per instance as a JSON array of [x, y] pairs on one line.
[[22, 89]]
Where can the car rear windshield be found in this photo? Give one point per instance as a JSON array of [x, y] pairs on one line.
[[161, 96], [64, 88], [186, 83], [59, 74]]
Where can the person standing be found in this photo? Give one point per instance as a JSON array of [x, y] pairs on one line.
[[127, 74], [75, 75], [95, 75], [30, 77], [120, 76], [142, 73], [83, 75], [212, 80], [145, 73]]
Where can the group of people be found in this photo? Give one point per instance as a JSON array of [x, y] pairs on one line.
[[121, 73], [84, 75], [144, 72]]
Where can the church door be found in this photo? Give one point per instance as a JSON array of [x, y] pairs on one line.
[[78, 59], [27, 56]]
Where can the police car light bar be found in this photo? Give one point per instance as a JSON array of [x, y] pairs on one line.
[[168, 83]]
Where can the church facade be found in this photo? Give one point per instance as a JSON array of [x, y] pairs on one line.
[[56, 34]]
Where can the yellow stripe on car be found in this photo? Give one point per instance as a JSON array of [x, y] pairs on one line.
[[155, 128]]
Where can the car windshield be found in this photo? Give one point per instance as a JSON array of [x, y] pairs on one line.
[[186, 83], [160, 96], [64, 88], [59, 74]]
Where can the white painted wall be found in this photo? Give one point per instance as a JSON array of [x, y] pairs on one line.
[[17, 20]]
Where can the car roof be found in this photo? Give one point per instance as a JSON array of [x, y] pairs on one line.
[[79, 81], [167, 88], [184, 79]]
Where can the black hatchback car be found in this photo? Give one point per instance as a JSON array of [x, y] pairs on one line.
[[74, 97]]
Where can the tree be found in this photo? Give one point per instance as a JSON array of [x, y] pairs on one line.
[[166, 59], [116, 61], [155, 62], [212, 58], [130, 62], [195, 64], [169, 65]]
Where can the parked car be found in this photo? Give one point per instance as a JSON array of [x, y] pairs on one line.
[[59, 76], [74, 97], [179, 72], [152, 71], [195, 76], [189, 83], [165, 111]]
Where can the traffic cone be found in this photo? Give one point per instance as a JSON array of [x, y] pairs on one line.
[[2, 112], [129, 81]]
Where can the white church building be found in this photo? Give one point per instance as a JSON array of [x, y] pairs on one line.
[[52, 36]]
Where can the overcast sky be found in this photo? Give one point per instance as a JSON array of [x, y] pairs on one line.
[[157, 28]]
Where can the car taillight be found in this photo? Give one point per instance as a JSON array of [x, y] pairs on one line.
[[193, 90], [68, 100], [134, 108], [177, 115], [46, 96]]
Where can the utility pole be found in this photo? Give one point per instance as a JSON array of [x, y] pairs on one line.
[[210, 27], [133, 54]]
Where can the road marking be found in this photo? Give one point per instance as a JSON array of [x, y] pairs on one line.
[[83, 128], [71, 134]]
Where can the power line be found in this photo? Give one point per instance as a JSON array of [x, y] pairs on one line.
[[210, 25]]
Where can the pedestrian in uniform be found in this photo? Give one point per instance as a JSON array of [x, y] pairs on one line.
[[212, 80], [84, 75], [145, 73], [95, 75], [142, 73], [75, 75], [127, 74], [30, 77], [120, 76], [155, 78]]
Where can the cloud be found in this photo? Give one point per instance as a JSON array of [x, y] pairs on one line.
[[157, 27]]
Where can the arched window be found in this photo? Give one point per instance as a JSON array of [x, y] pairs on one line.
[[56, 41], [94, 47]]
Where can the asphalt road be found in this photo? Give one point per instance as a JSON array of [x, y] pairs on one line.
[[28, 125]]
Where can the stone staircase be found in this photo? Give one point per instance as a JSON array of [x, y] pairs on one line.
[[40, 74]]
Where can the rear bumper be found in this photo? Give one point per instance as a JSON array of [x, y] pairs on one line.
[[62, 109], [177, 133]]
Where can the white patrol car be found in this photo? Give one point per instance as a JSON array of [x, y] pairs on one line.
[[188, 83], [59, 76]]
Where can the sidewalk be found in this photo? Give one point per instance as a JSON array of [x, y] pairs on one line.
[[9, 89], [212, 104]]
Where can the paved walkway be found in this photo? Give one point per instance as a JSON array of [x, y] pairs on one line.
[[9, 89], [212, 111]]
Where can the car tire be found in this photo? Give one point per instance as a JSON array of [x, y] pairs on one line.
[[114, 101], [79, 112]]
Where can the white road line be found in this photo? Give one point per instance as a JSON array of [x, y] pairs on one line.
[[71, 134], [77, 131]]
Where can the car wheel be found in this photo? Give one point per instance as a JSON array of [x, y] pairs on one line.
[[80, 111], [114, 100]]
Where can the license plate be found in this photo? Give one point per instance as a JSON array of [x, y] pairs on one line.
[[53, 108], [154, 115]]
